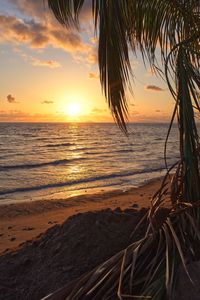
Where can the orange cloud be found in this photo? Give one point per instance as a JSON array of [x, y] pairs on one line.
[[38, 28], [20, 116], [45, 63], [93, 75]]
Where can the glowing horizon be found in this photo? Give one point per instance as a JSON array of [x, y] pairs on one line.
[[44, 68]]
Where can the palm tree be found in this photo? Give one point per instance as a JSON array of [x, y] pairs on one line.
[[147, 268]]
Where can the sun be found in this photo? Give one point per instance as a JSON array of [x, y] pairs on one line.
[[73, 109]]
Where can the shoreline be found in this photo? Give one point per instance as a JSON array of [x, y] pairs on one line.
[[20, 222]]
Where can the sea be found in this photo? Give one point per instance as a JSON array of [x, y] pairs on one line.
[[46, 161]]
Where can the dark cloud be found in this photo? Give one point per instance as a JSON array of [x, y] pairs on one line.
[[47, 102], [11, 99], [154, 88]]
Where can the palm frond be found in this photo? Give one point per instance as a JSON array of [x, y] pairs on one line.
[[143, 25], [66, 12], [147, 268]]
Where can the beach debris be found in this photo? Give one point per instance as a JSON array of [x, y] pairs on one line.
[[28, 228], [118, 210], [52, 222]]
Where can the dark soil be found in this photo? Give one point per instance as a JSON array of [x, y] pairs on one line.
[[64, 252]]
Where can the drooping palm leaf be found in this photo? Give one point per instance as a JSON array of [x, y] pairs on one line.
[[143, 25]]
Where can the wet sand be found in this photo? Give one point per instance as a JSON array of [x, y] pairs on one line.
[[25, 221]]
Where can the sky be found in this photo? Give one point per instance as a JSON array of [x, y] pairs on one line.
[[50, 73]]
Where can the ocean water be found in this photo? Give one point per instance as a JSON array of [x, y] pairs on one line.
[[55, 161]]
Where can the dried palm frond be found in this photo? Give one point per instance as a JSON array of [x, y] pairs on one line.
[[147, 268]]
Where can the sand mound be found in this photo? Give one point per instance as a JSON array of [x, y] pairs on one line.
[[64, 252]]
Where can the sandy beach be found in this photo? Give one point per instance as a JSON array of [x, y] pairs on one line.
[[25, 221], [61, 240]]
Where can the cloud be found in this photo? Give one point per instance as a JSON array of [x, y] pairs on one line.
[[11, 99], [20, 116], [39, 9], [45, 63], [135, 112], [149, 118], [38, 35], [93, 56], [30, 7], [93, 75], [38, 28], [36, 61], [98, 110], [47, 102], [154, 88]]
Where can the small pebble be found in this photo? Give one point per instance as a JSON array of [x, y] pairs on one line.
[[12, 239]]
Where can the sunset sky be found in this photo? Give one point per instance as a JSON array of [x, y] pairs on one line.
[[49, 73]]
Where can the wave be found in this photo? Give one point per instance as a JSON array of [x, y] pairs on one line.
[[59, 145], [81, 181], [124, 151], [38, 165]]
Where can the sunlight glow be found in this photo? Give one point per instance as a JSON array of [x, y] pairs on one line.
[[73, 109]]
